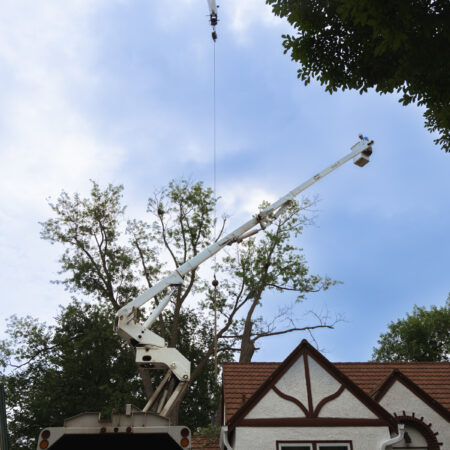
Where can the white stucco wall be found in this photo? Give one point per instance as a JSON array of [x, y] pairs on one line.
[[273, 406], [293, 382], [399, 398], [322, 383], [417, 439], [348, 406], [363, 438]]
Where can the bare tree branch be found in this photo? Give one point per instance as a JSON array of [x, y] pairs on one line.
[[222, 229], [46, 348], [166, 243], [289, 288]]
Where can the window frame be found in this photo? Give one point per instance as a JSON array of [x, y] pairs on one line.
[[332, 444], [314, 445], [287, 445]]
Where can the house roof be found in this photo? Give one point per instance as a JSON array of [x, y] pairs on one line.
[[432, 377], [235, 417], [242, 380], [398, 376]]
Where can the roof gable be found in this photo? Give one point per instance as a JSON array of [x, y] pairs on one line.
[[397, 375], [431, 377], [241, 380], [308, 400]]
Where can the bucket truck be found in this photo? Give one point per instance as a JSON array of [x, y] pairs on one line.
[[152, 424]]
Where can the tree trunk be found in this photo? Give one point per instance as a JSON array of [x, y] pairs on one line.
[[247, 345], [173, 417], [176, 316], [146, 381], [247, 351], [144, 374]]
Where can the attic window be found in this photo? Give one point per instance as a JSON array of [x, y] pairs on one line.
[[333, 447], [295, 447], [313, 445]]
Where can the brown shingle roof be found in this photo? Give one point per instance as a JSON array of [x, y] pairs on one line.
[[205, 443], [240, 381], [431, 377]]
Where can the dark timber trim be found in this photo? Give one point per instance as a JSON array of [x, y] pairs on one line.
[[306, 350]]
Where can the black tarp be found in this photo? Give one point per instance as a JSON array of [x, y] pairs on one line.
[[116, 441]]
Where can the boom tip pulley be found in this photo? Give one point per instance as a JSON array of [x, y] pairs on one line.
[[213, 19]]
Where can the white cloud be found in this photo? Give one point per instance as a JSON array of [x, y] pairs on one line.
[[244, 197], [46, 49], [244, 16], [47, 140], [175, 13]]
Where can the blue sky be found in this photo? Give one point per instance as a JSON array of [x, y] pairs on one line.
[[121, 92]]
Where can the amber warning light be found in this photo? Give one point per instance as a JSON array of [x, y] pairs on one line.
[[44, 436], [185, 435]]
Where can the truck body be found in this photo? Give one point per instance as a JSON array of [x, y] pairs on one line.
[[134, 429]]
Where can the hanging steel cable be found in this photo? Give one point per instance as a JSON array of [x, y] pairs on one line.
[[213, 19]]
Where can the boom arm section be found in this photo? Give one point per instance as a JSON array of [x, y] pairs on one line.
[[151, 349]]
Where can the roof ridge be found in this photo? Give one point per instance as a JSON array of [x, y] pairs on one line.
[[252, 362], [391, 362], [347, 362]]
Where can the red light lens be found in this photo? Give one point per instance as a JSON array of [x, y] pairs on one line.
[[129, 429], [185, 432], [103, 430], [45, 434]]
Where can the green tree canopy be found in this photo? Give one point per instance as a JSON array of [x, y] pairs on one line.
[[54, 372], [423, 335], [389, 45], [79, 364], [98, 262]]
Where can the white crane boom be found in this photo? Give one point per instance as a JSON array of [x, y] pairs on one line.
[[151, 349], [212, 6]]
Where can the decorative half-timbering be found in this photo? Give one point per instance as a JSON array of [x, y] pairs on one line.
[[308, 403]]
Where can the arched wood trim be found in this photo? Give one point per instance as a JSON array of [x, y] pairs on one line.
[[424, 428], [306, 349], [326, 400], [293, 400]]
